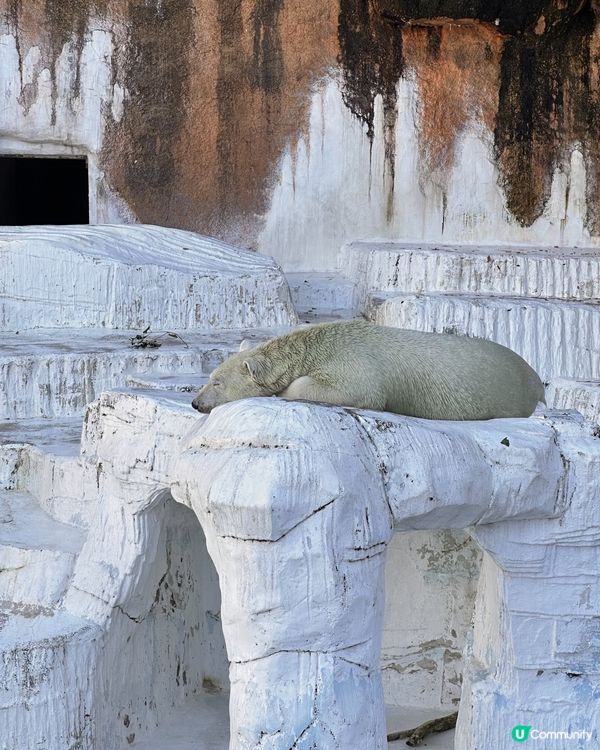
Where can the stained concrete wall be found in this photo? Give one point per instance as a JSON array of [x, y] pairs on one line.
[[292, 126]]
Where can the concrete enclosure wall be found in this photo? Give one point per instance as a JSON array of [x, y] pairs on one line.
[[292, 126]]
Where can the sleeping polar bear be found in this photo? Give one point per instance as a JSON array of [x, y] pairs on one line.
[[356, 363]]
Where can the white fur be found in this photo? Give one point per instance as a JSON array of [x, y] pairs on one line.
[[355, 363]]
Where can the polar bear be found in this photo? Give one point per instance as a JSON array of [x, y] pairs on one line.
[[360, 364]]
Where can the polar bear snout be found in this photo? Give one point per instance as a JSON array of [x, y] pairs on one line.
[[205, 400]]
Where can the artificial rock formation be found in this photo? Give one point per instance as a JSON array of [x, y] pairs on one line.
[[132, 277], [299, 502], [110, 618]]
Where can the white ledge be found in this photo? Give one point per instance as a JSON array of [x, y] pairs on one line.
[[131, 276]]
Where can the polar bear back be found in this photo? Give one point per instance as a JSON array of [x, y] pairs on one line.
[[430, 375]]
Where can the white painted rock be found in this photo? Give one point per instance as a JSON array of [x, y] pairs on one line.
[[582, 395], [134, 276], [298, 503], [511, 270], [111, 623], [533, 659], [52, 373]]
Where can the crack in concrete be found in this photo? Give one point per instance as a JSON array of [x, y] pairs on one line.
[[285, 533], [380, 464], [333, 652]]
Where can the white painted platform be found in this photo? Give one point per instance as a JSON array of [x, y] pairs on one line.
[[43, 652], [582, 395], [94, 525], [558, 339], [41, 459], [37, 552], [132, 276], [51, 373], [57, 436], [512, 270]]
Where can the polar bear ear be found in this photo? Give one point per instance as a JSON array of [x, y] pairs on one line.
[[256, 367]]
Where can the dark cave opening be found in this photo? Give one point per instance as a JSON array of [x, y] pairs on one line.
[[36, 190]]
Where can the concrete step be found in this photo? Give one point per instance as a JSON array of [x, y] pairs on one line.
[[53, 373], [201, 724], [59, 436], [180, 383], [318, 296], [37, 552], [513, 270], [558, 339], [42, 457], [131, 276], [43, 652], [583, 395]]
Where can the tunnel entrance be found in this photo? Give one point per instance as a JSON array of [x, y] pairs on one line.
[[43, 190]]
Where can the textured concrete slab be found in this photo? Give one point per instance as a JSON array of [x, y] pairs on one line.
[[55, 373], [582, 395], [323, 294], [133, 276], [204, 725], [37, 552], [567, 273]]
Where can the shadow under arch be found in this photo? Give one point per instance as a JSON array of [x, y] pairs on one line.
[[163, 647]]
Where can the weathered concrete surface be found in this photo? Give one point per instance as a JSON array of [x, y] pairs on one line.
[[268, 480], [133, 586], [45, 373], [132, 277], [534, 653], [562, 274], [341, 118], [37, 553], [582, 395], [275, 486]]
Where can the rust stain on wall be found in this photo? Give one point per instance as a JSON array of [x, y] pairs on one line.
[[527, 69], [372, 63], [154, 63], [456, 69], [50, 25], [255, 66], [371, 59], [217, 89]]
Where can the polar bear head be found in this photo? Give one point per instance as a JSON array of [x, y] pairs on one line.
[[244, 375]]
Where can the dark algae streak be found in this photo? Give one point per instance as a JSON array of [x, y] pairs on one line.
[[154, 62], [371, 59], [549, 81], [549, 101]]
